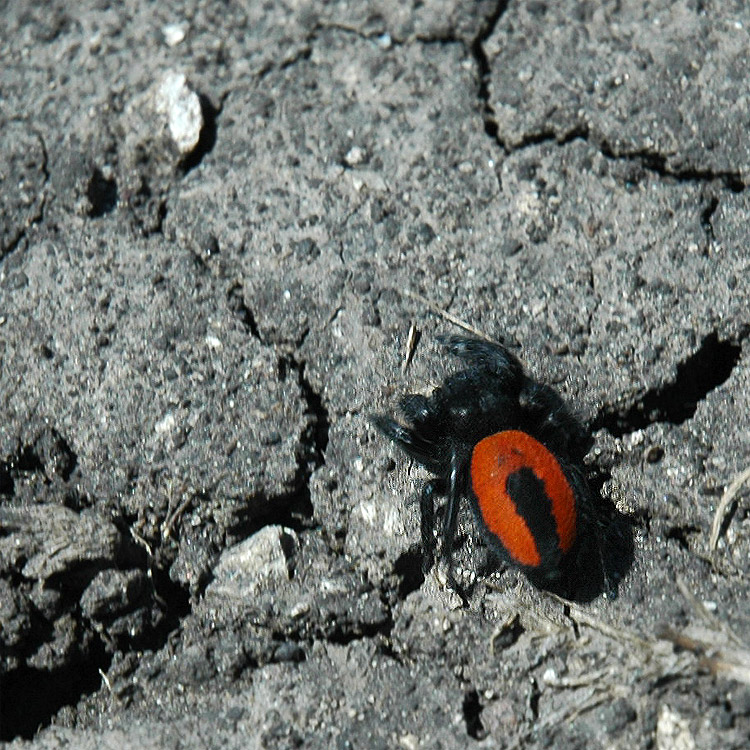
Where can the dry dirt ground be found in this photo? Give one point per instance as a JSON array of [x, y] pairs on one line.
[[218, 223]]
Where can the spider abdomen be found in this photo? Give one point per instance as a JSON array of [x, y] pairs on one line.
[[524, 500], [511, 446]]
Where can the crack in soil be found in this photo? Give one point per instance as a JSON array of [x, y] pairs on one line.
[[314, 439], [706, 219], [483, 67], [242, 312], [675, 402], [293, 509], [651, 161], [472, 712], [38, 216], [32, 694]]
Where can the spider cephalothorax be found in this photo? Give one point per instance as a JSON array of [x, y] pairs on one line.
[[510, 446]]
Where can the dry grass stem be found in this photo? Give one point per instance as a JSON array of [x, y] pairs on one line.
[[726, 500], [450, 318]]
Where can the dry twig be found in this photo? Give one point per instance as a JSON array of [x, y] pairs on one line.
[[726, 500], [411, 345], [450, 318]]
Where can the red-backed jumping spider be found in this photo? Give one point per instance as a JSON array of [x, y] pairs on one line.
[[513, 448]]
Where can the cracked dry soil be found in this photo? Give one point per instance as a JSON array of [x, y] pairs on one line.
[[202, 541]]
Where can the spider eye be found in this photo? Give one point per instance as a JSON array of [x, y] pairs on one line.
[[460, 413]]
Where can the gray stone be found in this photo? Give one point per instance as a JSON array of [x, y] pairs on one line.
[[113, 592], [264, 561], [51, 540]]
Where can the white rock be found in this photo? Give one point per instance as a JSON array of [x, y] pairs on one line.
[[174, 33], [182, 108], [673, 731], [263, 561], [355, 155]]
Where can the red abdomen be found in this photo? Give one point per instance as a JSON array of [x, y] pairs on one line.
[[524, 498]]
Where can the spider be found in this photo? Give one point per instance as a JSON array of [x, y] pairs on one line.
[[510, 446]]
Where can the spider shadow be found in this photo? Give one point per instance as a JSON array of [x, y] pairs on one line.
[[599, 561], [603, 554]]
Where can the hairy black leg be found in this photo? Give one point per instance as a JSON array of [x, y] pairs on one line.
[[554, 420], [450, 522], [410, 441], [494, 358], [427, 525]]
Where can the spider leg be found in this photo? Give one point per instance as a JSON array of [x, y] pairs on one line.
[[410, 441], [427, 524], [554, 420], [450, 522], [494, 358]]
